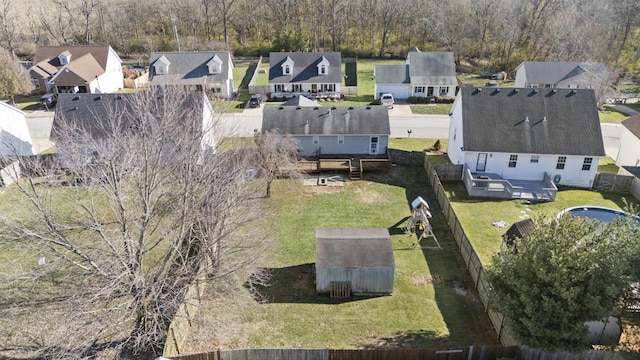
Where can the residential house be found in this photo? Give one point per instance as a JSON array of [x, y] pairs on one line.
[[76, 69], [15, 138], [425, 75], [98, 116], [210, 71], [558, 74], [354, 261], [332, 130], [510, 138], [629, 151], [314, 75]]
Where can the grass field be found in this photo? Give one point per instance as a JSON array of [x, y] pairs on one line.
[[611, 115], [433, 302]]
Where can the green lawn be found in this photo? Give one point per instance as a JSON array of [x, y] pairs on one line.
[[436, 109], [611, 115], [475, 80], [433, 302], [477, 214]]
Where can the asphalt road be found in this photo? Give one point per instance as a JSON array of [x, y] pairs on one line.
[[401, 119]]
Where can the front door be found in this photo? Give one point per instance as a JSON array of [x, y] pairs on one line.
[[314, 88], [482, 162], [430, 91], [373, 145]]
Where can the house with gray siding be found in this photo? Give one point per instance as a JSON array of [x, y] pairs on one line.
[[425, 74], [323, 130], [361, 258], [210, 71]]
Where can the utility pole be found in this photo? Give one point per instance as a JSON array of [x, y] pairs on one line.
[[175, 29]]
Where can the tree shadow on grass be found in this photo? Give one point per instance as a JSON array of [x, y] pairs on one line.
[[413, 339], [293, 284]]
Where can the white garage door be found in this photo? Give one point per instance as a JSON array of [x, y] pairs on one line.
[[398, 91]]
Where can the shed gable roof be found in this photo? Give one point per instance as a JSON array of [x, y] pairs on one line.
[[533, 121], [353, 247], [305, 69], [327, 120]]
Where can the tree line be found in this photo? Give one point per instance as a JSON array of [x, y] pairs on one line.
[[486, 34]]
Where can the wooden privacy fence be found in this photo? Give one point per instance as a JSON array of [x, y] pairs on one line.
[[469, 255], [613, 182], [462, 353]]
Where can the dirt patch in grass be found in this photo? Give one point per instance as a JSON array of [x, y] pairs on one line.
[[427, 280], [366, 194]]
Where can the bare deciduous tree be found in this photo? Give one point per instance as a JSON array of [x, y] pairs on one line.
[[276, 155], [14, 78], [102, 265]]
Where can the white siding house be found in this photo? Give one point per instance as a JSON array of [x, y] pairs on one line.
[[563, 75], [425, 74], [527, 134], [305, 73], [629, 152], [210, 71], [76, 69], [15, 138]]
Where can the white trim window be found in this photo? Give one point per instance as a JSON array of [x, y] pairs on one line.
[[444, 90], [316, 139], [586, 164], [562, 161], [340, 139], [513, 160], [36, 83], [535, 158], [418, 89]]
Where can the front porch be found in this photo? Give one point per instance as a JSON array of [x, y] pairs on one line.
[[493, 185]]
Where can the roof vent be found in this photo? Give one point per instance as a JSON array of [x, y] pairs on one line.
[[333, 108], [573, 91], [299, 108], [367, 108], [479, 89], [316, 108], [554, 91], [119, 97], [535, 91], [98, 97], [76, 98], [280, 108], [526, 119], [350, 108], [515, 90], [544, 119]]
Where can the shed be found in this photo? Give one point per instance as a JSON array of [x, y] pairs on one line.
[[360, 259]]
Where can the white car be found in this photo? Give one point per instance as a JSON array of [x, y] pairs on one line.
[[387, 100]]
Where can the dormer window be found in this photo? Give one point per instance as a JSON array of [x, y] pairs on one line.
[[161, 66], [287, 66], [64, 58], [215, 65], [323, 66]]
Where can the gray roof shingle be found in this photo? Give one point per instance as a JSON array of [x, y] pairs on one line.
[[434, 68], [633, 124], [534, 121], [324, 120], [392, 74], [98, 113], [353, 247], [189, 68], [305, 67], [552, 72]]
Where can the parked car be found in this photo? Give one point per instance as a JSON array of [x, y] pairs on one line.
[[255, 101], [48, 100], [387, 100]]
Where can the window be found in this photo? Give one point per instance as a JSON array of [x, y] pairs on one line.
[[513, 159], [279, 88], [323, 70], [316, 139], [586, 164], [160, 69], [340, 139], [287, 70], [35, 83], [296, 87], [419, 89], [562, 160], [535, 158], [444, 89]]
